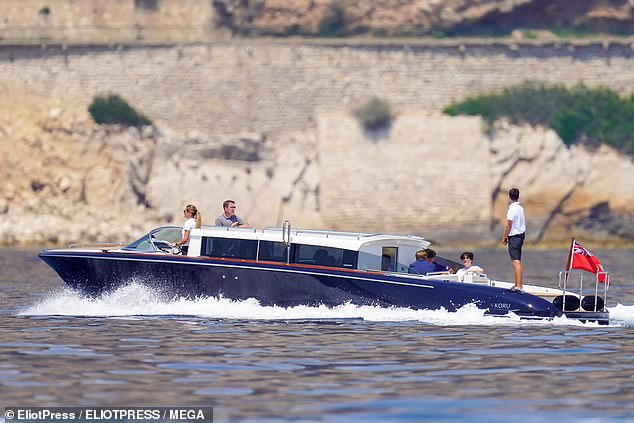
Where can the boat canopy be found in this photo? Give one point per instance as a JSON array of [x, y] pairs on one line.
[[371, 251], [347, 240]]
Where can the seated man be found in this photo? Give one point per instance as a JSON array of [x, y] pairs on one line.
[[386, 262], [421, 266], [431, 257], [229, 217], [320, 257], [469, 267]]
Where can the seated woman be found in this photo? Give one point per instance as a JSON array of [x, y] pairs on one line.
[[469, 267]]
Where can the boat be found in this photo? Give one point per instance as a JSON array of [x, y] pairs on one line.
[[287, 267]]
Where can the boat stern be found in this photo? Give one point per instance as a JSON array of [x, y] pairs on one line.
[[526, 306]]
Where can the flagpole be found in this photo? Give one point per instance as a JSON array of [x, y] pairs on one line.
[[568, 264], [569, 261]]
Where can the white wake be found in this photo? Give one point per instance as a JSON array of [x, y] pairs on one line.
[[138, 300]]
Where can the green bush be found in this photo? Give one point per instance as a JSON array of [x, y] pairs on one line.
[[375, 114], [577, 114], [333, 23], [114, 109]]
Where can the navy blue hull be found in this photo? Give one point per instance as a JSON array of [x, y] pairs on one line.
[[281, 284]]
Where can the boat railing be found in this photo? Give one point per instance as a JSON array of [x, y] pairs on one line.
[[338, 234], [312, 232], [323, 233], [99, 245], [228, 228], [592, 295]]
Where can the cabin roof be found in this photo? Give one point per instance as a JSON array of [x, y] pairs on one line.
[[338, 239]]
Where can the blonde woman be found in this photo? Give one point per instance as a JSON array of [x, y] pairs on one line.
[[192, 216]]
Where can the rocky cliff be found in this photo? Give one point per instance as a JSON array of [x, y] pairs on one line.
[[66, 179], [141, 21], [397, 17]]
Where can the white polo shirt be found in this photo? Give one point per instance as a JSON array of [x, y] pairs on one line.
[[516, 216]]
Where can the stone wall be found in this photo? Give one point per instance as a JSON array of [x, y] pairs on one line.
[[265, 86], [422, 175]]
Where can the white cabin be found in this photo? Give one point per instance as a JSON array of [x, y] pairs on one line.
[[350, 250]]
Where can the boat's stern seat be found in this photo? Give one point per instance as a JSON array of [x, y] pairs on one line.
[[479, 278]]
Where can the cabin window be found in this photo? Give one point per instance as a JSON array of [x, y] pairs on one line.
[[324, 256], [272, 251], [388, 258], [350, 259], [228, 247]]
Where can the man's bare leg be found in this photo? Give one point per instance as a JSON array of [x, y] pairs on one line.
[[517, 266]]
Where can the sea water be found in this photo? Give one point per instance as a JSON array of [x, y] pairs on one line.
[[132, 347]]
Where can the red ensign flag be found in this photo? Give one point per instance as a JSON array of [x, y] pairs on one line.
[[580, 258]]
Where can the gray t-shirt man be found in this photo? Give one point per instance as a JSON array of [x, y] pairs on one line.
[[223, 220], [229, 217]]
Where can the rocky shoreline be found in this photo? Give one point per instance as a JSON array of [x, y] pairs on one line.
[[68, 180]]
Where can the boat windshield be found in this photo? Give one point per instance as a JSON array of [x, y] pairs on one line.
[[156, 239]]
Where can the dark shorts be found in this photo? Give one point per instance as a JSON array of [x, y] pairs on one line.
[[515, 246]]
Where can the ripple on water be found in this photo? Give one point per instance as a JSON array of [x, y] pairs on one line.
[[219, 392], [313, 363]]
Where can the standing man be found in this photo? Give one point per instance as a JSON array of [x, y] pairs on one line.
[[229, 217], [514, 235]]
